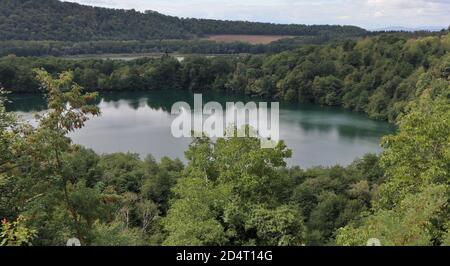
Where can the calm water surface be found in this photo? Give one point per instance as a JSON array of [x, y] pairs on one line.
[[139, 122]]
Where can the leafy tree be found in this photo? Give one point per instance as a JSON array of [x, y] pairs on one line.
[[123, 172], [66, 21], [162, 178], [411, 208], [409, 223], [192, 218], [233, 194], [282, 226], [116, 234], [15, 233], [44, 147]]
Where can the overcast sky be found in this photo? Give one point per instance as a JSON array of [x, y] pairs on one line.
[[371, 14]]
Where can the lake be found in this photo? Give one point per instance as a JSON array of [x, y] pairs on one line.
[[140, 122]]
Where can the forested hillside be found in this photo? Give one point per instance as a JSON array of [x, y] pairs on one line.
[[63, 21], [231, 192], [195, 46], [55, 20], [375, 75]]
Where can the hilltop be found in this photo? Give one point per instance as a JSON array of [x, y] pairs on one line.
[[63, 21]]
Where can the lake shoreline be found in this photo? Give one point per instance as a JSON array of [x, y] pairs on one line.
[[139, 122]]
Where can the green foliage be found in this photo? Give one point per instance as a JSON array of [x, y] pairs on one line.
[[123, 172], [156, 47], [15, 233], [379, 83], [330, 198], [6, 140], [192, 217], [7, 120], [116, 234], [410, 223], [419, 154], [446, 237], [232, 194], [163, 177], [411, 207], [67, 22], [44, 149], [282, 226], [68, 190]]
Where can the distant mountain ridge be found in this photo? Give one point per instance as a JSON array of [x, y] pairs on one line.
[[65, 21], [411, 29]]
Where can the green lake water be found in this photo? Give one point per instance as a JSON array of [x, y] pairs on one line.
[[140, 122]]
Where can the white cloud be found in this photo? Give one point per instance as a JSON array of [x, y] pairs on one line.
[[378, 14], [366, 13]]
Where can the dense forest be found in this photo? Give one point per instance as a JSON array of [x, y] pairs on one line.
[[55, 28], [60, 48], [374, 75], [196, 46], [230, 192], [57, 48], [63, 21]]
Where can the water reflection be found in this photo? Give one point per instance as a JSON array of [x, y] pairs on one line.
[[139, 122]]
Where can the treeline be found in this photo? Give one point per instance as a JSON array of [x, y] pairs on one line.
[[57, 48], [61, 48], [209, 26], [231, 192], [63, 21], [375, 75]]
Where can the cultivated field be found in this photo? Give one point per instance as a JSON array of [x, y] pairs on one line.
[[253, 39]]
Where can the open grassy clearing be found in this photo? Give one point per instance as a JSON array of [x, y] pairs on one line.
[[253, 39]]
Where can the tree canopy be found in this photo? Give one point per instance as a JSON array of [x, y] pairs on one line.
[[374, 75], [63, 21], [232, 192], [412, 205]]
